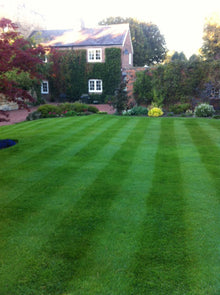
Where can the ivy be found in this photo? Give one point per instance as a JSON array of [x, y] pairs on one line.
[[69, 73]]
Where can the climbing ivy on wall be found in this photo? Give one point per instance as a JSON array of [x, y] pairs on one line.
[[69, 73]]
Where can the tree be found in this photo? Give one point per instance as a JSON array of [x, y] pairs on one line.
[[120, 100], [178, 56], [148, 43], [20, 65], [211, 38], [143, 87]]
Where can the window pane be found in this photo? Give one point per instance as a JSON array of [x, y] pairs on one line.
[[91, 55], [98, 85], [98, 54], [44, 87], [91, 85]]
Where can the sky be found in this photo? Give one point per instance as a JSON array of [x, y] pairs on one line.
[[181, 22]]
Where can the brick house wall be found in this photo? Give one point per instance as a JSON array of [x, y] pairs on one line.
[[131, 78]]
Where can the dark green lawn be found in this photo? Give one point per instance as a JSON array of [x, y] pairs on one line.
[[109, 205]]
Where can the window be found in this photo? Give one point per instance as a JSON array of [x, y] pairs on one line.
[[130, 59], [95, 86], [44, 87], [94, 55]]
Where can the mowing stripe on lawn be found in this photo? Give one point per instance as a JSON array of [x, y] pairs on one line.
[[39, 139], [202, 214], [27, 174], [23, 126], [215, 124], [211, 130], [112, 249], [209, 151], [35, 232], [161, 261]]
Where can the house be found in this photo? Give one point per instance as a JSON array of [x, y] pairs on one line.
[[95, 41]]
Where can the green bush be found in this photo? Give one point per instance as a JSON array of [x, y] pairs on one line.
[[126, 113], [69, 113], [93, 109], [66, 109], [179, 108], [34, 116], [189, 113], [48, 109], [139, 111], [216, 117], [67, 106], [102, 113], [204, 110]]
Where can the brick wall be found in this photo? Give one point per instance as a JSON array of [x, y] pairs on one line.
[[131, 78]]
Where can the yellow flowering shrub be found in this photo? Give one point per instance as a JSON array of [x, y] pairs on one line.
[[155, 112]]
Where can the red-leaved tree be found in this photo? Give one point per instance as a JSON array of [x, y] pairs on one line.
[[19, 66]]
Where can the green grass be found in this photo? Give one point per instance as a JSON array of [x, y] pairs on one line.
[[110, 206]]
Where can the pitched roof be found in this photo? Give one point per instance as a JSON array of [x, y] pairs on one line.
[[98, 36]]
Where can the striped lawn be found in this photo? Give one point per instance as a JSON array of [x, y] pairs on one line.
[[110, 205]]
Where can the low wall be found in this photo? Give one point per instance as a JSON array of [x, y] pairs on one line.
[[6, 105]]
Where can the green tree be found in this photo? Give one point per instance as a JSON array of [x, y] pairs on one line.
[[180, 56], [148, 43], [211, 39], [120, 99], [143, 87]]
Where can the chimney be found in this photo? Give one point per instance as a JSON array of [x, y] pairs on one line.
[[82, 23]]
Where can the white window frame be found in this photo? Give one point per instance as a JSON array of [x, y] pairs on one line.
[[44, 90], [93, 53], [130, 58], [97, 86]]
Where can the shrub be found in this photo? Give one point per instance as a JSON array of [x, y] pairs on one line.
[[34, 116], [126, 113], [48, 108], [67, 106], [79, 107], [138, 111], [93, 109], [65, 109], [179, 108], [155, 112], [189, 113], [216, 117], [102, 113], [69, 113], [204, 110]]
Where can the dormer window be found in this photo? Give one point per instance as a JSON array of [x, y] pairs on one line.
[[95, 55]]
